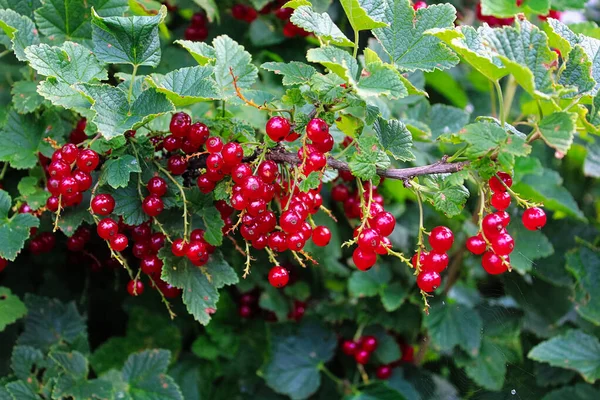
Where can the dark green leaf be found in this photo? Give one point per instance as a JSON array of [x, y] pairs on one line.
[[376, 391], [369, 283], [580, 392], [14, 231], [231, 58], [365, 162], [25, 97], [395, 138], [488, 369], [321, 25], [448, 194], [116, 172], [11, 308], [72, 381], [558, 129], [294, 73], [452, 324], [187, 86], [584, 264], [20, 30]]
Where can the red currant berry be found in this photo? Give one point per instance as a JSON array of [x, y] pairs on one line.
[[362, 357], [278, 128], [75, 243], [504, 217], [340, 192], [69, 153], [72, 200], [441, 239], [349, 347], [428, 281], [321, 236], [290, 221], [500, 200], [278, 242], [179, 247], [172, 143], [195, 33], [245, 311], [177, 165], [384, 245], [494, 264], [534, 218], [53, 186], [503, 244], [3, 264], [498, 186], [119, 242], [107, 228], [368, 343], [88, 160], [326, 145], [68, 186], [135, 288], [295, 241], [317, 130], [284, 13], [198, 133], [492, 225], [52, 203], [419, 4], [84, 180], [189, 147], [436, 262], [384, 223], [205, 185], [59, 169], [252, 187], [476, 244], [103, 204], [153, 205], [383, 372], [196, 251], [369, 239], [214, 145], [279, 276], [268, 171], [157, 186], [180, 124], [232, 153], [141, 232], [151, 265], [141, 249], [364, 259]]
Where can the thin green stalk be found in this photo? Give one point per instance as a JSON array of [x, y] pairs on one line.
[[509, 94], [330, 374], [500, 102], [356, 40], [4, 169], [185, 210], [135, 67], [493, 100]]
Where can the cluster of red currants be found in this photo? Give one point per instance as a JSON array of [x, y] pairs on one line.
[[360, 349], [198, 250], [78, 135], [42, 243], [493, 241], [248, 14], [243, 12], [198, 29], [430, 264], [186, 137], [64, 184], [79, 239], [153, 204]]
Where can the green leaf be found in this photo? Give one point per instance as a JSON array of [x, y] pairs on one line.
[[232, 58], [295, 357], [365, 162], [31, 192], [580, 392], [486, 137], [116, 172], [128, 204], [21, 141], [294, 73], [558, 129], [470, 45], [453, 324], [63, 95], [524, 255], [369, 283], [404, 38], [186, 86], [50, 322], [446, 119], [14, 231], [381, 79], [127, 40], [272, 299], [11, 308], [509, 8], [202, 206], [200, 51], [488, 369], [448, 194], [392, 296], [338, 61], [591, 166], [25, 8], [71, 63], [26, 362], [153, 327], [321, 25], [584, 265], [72, 381], [212, 11], [25, 97], [574, 350], [21, 391], [115, 115], [20, 30], [359, 18], [144, 377], [199, 285], [377, 391], [312, 181], [577, 74]]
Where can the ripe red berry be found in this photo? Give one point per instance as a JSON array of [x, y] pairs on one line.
[[500, 200], [232, 153], [504, 217], [340, 192], [68, 186], [103, 204], [503, 244], [153, 205], [84, 180], [172, 143], [384, 245], [494, 264], [383, 372], [369, 239], [278, 276], [496, 185], [290, 221], [428, 281], [196, 251], [214, 145], [151, 265], [419, 4], [69, 153], [422, 257], [52, 203], [295, 241], [362, 357], [135, 288], [278, 241], [107, 228], [441, 239], [3, 264], [317, 130], [157, 186], [278, 128], [326, 145], [198, 133], [349, 347], [492, 225], [268, 171], [534, 218], [369, 343], [88, 160], [196, 33], [53, 186], [245, 311], [75, 243], [141, 232], [59, 169], [436, 262], [180, 124], [384, 222], [72, 200], [476, 244], [179, 247], [321, 236], [252, 187], [119, 242], [364, 259], [177, 165]]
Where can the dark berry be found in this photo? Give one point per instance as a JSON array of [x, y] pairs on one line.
[[369, 343], [177, 165], [151, 265], [362, 357], [135, 287], [157, 186], [349, 347], [383, 372]]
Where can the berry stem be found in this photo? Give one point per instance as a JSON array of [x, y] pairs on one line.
[[185, 211], [420, 243], [248, 262], [272, 257], [251, 103], [172, 315], [330, 374], [363, 373], [500, 102], [130, 92], [57, 217]]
